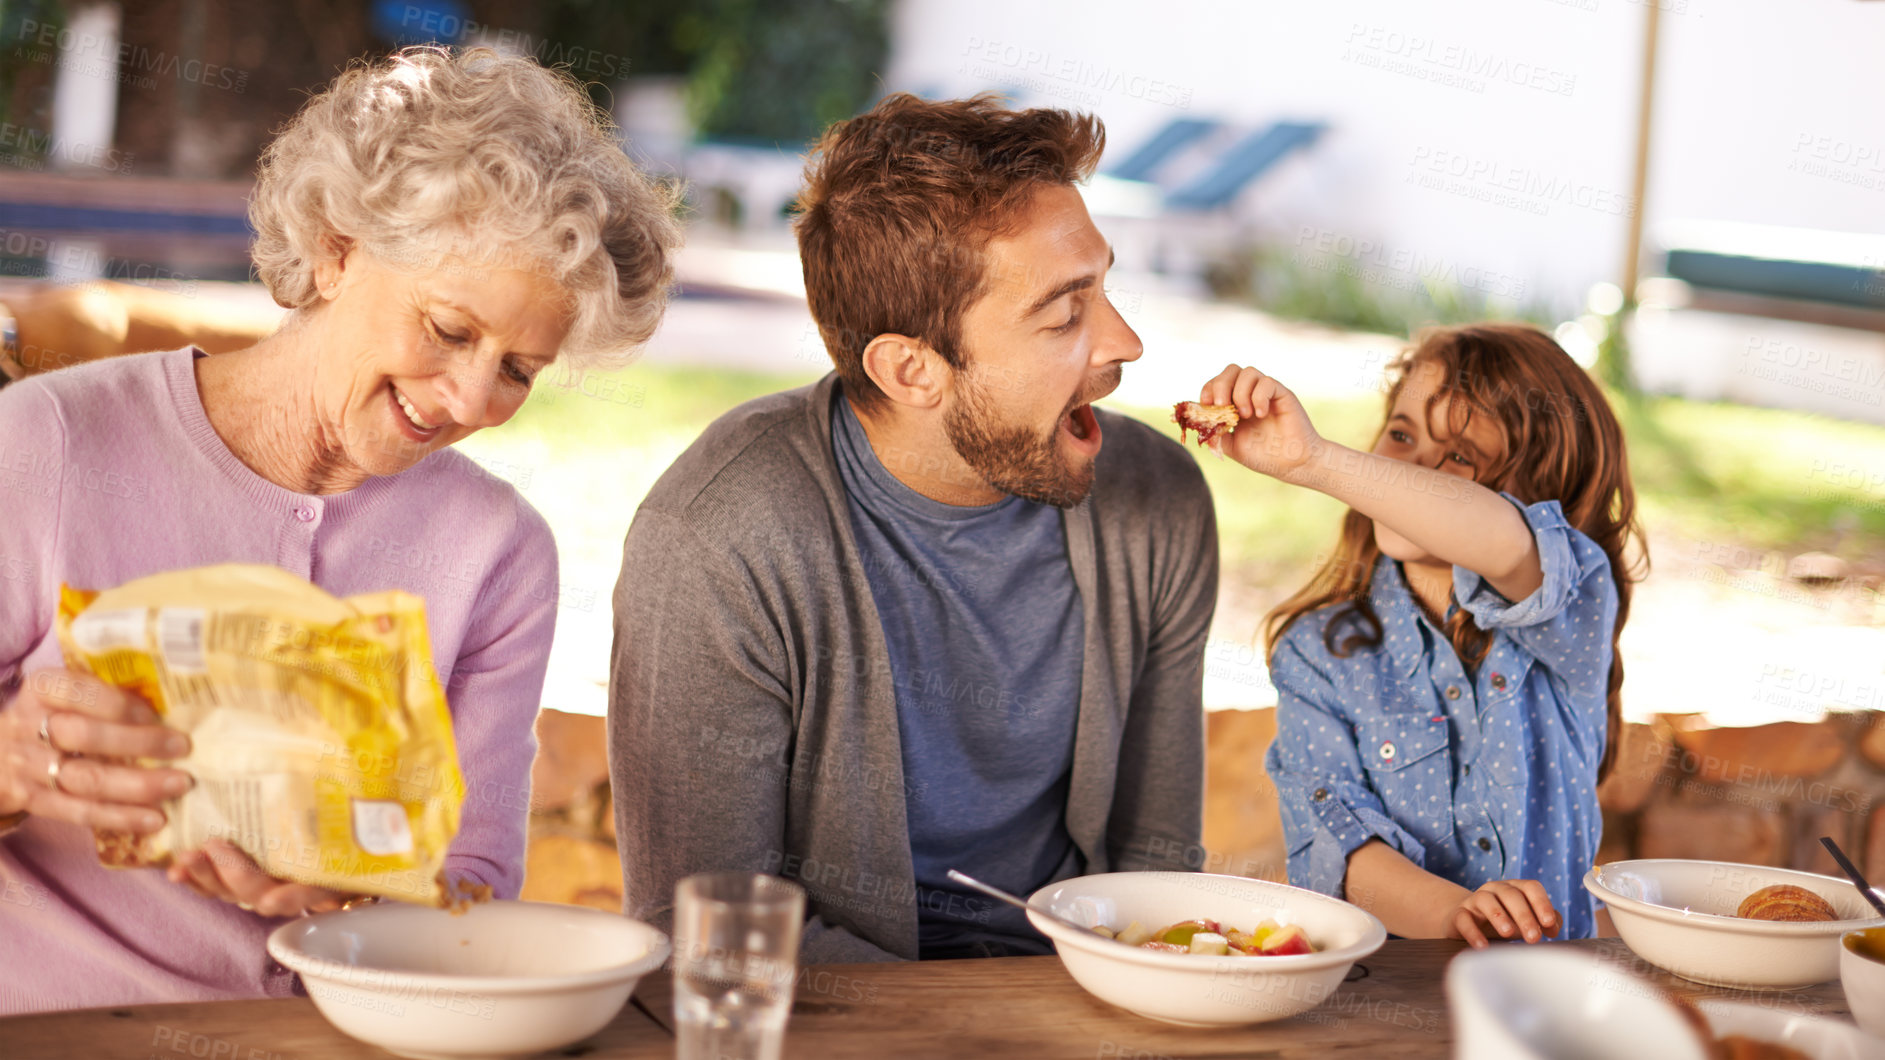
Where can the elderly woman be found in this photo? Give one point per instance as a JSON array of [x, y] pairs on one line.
[[444, 228]]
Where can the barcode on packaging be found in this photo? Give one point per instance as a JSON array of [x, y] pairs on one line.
[[180, 638]]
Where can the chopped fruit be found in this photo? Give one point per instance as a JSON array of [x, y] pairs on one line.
[[1286, 942], [1135, 934], [1208, 938], [1103, 931], [1209, 943], [1179, 934]]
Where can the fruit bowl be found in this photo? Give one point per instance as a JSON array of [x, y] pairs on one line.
[[1193, 989]]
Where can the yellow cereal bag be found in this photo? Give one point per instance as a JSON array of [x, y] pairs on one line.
[[321, 742]]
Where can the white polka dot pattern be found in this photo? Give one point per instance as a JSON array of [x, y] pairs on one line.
[[1474, 777]]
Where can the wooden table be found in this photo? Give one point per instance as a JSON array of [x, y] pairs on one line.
[[1022, 1007], [287, 1029]]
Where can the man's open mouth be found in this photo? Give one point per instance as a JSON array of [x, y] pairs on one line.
[[1083, 427]]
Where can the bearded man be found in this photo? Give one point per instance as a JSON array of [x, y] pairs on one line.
[[934, 611]]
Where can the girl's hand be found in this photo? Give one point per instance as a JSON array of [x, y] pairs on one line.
[[1274, 436], [61, 715], [1510, 907], [223, 872]]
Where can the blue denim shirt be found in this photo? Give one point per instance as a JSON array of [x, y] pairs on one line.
[[1474, 778]]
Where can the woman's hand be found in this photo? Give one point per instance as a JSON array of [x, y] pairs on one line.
[[60, 717], [1509, 907], [223, 872], [1274, 435]]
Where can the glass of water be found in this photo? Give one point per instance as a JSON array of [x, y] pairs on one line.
[[736, 943]]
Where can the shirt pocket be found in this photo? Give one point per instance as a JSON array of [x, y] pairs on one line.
[[1409, 761], [1506, 723]]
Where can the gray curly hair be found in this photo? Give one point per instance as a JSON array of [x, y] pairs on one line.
[[428, 155]]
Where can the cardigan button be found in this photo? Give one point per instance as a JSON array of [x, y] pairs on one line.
[[1484, 843], [1321, 795], [1453, 691], [1387, 752], [1498, 682]]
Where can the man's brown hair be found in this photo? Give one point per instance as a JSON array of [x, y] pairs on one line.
[[899, 203]]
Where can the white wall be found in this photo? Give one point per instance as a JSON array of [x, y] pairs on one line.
[[1748, 88], [85, 89]]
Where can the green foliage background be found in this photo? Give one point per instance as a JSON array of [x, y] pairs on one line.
[[768, 71], [14, 44]]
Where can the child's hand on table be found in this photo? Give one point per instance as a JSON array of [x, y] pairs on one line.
[[1511, 908]]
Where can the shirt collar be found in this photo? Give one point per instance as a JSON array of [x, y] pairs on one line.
[[1404, 628], [868, 481]]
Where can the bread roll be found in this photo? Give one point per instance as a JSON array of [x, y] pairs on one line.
[[1784, 901]]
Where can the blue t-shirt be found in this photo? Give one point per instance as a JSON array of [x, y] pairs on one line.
[[986, 638], [1474, 777]]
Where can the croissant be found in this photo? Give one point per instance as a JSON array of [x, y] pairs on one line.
[[1784, 901]]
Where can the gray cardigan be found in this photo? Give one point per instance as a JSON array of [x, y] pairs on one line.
[[752, 711]]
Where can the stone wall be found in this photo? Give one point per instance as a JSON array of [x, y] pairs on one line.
[[1762, 795], [1680, 789], [572, 855]]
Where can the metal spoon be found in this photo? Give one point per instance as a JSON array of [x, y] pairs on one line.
[[967, 880], [1853, 871]]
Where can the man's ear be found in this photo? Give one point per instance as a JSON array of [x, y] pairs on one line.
[[907, 370]]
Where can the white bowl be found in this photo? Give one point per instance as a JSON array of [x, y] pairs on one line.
[[1547, 1002], [1199, 991], [1864, 981], [1819, 1037], [504, 979], [1679, 915]]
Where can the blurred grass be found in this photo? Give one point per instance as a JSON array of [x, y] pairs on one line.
[[1766, 478], [1721, 474], [586, 449]]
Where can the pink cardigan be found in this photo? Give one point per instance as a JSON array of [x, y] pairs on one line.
[[110, 471]]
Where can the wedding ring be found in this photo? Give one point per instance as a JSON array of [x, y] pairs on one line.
[[45, 729], [52, 770]]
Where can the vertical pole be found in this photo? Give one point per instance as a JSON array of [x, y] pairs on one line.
[[1645, 105]]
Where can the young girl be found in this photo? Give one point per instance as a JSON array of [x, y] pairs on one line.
[[1448, 680]]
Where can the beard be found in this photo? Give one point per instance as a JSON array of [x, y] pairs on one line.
[[1013, 458]]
